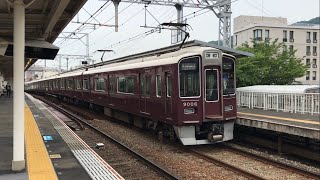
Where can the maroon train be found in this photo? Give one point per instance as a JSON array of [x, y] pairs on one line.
[[189, 93]]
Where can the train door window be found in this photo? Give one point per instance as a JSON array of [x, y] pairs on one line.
[[85, 84], [212, 90], [62, 83], [58, 84], [78, 82], [228, 75], [189, 77], [158, 85], [142, 79], [100, 84], [148, 85], [168, 85], [111, 83]]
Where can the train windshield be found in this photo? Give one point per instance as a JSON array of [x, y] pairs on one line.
[[189, 77], [228, 75]]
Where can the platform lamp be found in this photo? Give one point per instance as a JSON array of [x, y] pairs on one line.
[[104, 51]]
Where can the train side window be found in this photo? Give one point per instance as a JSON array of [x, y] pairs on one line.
[[70, 83], [168, 85], [158, 85], [85, 84], [125, 84], [100, 84], [78, 83]]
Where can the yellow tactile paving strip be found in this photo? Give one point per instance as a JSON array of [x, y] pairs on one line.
[[38, 161], [281, 118]]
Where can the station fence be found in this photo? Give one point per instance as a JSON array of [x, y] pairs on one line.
[[287, 102]]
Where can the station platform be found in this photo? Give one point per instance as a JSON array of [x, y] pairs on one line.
[[52, 150], [303, 125]]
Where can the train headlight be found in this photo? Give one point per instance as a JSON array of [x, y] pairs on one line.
[[189, 111]]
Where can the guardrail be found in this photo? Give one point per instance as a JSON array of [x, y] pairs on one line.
[[286, 102]]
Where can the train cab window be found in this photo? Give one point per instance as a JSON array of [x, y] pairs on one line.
[[78, 83], [125, 84], [228, 75], [85, 84], [158, 85], [100, 84], [212, 90], [168, 85], [189, 77]]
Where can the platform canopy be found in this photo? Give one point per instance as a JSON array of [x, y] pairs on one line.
[[44, 21]]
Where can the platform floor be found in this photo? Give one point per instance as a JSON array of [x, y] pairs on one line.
[[291, 123], [6, 140], [48, 155]]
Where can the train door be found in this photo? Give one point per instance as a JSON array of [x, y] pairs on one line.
[[145, 87], [212, 92], [168, 98]]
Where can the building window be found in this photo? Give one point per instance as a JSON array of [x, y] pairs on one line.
[[314, 37], [314, 75], [291, 36], [308, 63], [291, 48], [235, 40], [85, 84], [257, 34], [125, 84], [158, 85], [100, 84], [308, 51], [267, 35], [314, 50], [285, 36], [314, 63], [308, 38], [308, 75]]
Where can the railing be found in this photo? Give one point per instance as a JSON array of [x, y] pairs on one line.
[[286, 102]]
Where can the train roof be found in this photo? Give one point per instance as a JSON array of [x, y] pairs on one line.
[[166, 55], [281, 88]]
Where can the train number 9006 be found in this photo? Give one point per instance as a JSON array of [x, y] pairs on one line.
[[190, 104]]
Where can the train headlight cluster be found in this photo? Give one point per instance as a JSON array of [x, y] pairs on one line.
[[228, 108], [189, 111]]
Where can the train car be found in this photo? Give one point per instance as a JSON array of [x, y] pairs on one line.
[[187, 93]]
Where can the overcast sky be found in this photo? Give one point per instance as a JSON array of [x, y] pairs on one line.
[[204, 25]]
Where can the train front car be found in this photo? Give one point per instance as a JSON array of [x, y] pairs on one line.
[[207, 100]]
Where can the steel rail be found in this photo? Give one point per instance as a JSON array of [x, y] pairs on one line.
[[158, 168], [225, 165], [272, 162], [72, 116]]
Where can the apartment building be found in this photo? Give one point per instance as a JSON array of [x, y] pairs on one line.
[[302, 37]]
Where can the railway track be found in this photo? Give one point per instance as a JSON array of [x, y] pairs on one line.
[[272, 162], [224, 164], [242, 171], [165, 174]]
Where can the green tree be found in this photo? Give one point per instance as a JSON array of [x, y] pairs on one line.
[[272, 63]]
